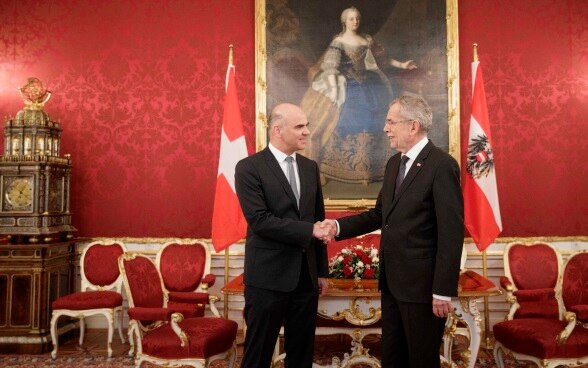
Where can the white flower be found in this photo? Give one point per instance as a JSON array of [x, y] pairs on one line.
[[360, 264], [374, 253], [340, 259], [375, 260]]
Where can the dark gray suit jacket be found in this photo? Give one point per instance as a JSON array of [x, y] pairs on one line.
[[279, 235], [422, 228]]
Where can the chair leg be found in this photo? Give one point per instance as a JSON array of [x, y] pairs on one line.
[[120, 323], [54, 319], [232, 358], [498, 356], [110, 319], [131, 337], [82, 330]]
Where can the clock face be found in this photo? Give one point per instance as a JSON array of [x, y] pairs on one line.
[[18, 194]]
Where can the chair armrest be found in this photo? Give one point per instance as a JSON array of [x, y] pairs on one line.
[[508, 287], [581, 311], [213, 299], [505, 283], [176, 319], [208, 281], [570, 318], [150, 314]]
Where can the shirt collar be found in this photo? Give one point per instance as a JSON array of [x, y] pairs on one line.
[[414, 152], [279, 155]]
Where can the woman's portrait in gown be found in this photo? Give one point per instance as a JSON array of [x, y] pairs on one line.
[[350, 86], [343, 62]]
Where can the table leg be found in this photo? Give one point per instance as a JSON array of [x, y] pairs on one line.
[[467, 311]]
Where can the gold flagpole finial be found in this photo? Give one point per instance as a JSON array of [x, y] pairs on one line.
[[476, 58], [231, 54]]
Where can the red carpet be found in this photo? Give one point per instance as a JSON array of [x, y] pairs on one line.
[[326, 348]]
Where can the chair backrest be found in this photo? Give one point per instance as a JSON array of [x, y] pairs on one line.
[[142, 282], [99, 268], [575, 280], [533, 266], [183, 264]]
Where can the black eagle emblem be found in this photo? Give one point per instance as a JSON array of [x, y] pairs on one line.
[[480, 160]]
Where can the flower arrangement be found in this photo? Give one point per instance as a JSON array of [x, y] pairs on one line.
[[358, 262]]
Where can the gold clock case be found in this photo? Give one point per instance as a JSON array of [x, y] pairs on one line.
[[47, 212], [34, 178]]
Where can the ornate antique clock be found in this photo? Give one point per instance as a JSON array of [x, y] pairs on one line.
[[34, 179]]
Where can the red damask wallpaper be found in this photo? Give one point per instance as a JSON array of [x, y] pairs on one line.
[[138, 88], [534, 55]]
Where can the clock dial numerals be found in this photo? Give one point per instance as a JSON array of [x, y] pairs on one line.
[[19, 194]]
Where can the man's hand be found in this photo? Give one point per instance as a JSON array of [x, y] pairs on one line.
[[320, 232], [322, 285], [325, 230], [331, 225], [442, 308]]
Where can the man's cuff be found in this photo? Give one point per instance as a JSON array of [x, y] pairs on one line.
[[338, 228], [441, 297]]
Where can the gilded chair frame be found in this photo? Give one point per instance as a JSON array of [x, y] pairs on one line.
[[509, 291], [570, 317], [137, 329], [202, 287], [108, 313]]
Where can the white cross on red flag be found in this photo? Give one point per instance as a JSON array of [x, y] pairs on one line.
[[228, 222], [481, 207]]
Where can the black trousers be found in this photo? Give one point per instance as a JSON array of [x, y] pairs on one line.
[[267, 310], [411, 334]]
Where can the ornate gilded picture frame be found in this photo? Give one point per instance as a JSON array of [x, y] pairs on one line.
[[303, 57]]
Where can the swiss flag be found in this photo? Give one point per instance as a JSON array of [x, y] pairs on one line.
[[482, 211], [228, 223]]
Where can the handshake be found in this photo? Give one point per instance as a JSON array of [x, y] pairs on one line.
[[325, 230]]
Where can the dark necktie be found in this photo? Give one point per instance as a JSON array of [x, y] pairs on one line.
[[292, 178], [400, 176]]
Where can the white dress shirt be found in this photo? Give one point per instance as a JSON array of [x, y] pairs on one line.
[[281, 157]]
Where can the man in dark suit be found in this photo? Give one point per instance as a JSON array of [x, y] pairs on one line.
[[420, 213], [285, 263]]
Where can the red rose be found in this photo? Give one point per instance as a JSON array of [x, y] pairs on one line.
[[366, 260], [347, 271], [369, 273], [347, 260]]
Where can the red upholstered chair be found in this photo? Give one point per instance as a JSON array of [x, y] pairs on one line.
[[163, 337], [551, 342], [100, 291], [185, 270], [532, 281]]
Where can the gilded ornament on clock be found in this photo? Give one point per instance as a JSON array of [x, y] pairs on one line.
[[35, 202]]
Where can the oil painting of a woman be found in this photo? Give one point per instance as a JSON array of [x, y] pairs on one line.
[[347, 104], [343, 61]]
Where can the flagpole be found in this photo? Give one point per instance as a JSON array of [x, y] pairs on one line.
[[487, 335], [226, 297]]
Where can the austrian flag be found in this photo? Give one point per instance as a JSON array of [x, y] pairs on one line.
[[482, 211], [228, 222]]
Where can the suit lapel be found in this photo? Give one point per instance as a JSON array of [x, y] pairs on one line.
[[275, 168], [391, 187], [304, 173], [415, 169]]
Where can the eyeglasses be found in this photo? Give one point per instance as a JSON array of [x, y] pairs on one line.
[[391, 122]]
